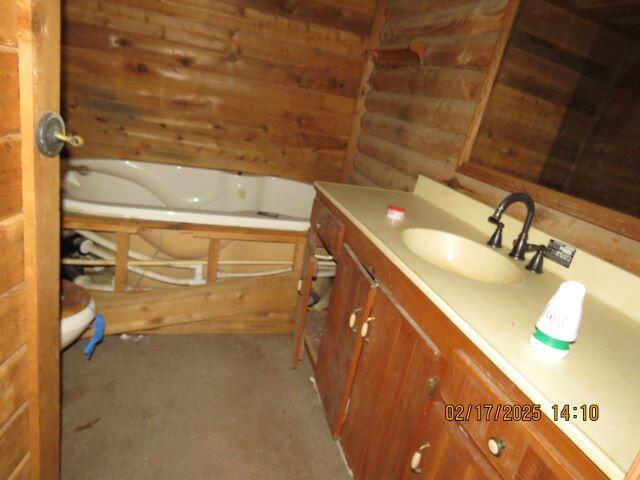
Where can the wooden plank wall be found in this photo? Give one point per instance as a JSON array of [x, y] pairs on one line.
[[607, 169], [557, 94], [15, 440], [547, 91], [418, 116], [260, 86]]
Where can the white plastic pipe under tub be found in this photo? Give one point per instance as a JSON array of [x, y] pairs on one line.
[[325, 260], [87, 246], [103, 242]]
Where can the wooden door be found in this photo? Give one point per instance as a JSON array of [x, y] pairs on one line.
[[446, 452], [395, 380], [352, 295], [29, 243]]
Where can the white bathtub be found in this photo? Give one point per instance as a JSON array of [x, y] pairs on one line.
[[152, 191]]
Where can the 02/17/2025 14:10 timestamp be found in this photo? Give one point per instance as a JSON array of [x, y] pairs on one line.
[[578, 412]]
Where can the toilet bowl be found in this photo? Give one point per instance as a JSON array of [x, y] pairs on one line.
[[77, 311]]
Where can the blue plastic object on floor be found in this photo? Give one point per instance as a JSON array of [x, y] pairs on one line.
[[98, 335]]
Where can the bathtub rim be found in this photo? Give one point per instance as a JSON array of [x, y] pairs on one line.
[[172, 215]]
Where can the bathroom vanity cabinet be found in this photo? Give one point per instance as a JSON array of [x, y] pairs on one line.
[[392, 369]]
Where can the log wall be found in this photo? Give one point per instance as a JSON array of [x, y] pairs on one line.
[[418, 117], [260, 86]]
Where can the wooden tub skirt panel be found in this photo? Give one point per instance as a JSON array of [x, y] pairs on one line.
[[247, 305]]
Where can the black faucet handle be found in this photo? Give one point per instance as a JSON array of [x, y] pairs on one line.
[[496, 238], [535, 265], [495, 220]]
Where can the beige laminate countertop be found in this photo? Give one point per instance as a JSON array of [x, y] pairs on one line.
[[603, 365]]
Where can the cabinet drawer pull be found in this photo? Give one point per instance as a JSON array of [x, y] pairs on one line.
[[365, 328], [432, 385], [496, 446], [416, 459], [352, 319]]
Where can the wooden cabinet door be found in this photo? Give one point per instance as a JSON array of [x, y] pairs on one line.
[[394, 382], [352, 295], [445, 452], [29, 243], [309, 270]]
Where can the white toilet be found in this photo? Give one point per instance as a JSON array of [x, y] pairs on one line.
[[77, 309]]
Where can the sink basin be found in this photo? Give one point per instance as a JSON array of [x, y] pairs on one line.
[[461, 256]]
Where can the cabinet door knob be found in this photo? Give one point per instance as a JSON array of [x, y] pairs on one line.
[[352, 319], [496, 446], [416, 458], [319, 225], [365, 328], [432, 385]]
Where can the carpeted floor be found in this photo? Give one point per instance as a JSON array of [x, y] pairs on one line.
[[193, 407]]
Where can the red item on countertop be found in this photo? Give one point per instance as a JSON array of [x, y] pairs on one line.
[[395, 213]]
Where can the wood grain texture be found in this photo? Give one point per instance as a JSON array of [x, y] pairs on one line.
[[413, 363], [11, 252], [39, 76], [338, 356], [212, 263], [122, 257], [427, 110], [449, 450], [441, 94], [560, 119], [14, 441], [559, 451], [309, 270], [265, 87], [12, 321], [13, 379], [9, 104], [10, 177], [327, 227], [365, 87], [127, 312]]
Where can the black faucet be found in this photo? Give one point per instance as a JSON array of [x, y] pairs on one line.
[[520, 245]]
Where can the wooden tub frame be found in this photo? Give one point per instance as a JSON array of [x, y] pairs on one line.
[[247, 305]]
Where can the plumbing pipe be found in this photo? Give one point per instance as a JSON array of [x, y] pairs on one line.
[[101, 250], [223, 274], [171, 263], [324, 259], [87, 246], [103, 242]]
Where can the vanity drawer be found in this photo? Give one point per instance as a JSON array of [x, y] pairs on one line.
[[503, 428], [327, 227], [473, 400]]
